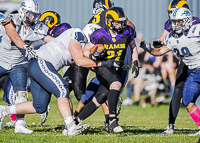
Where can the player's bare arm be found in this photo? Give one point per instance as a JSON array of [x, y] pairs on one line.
[[77, 55], [13, 35]]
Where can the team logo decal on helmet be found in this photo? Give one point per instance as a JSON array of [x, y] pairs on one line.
[[29, 12], [116, 14], [177, 4], [184, 15], [50, 18]]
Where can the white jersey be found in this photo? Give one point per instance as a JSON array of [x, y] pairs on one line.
[[57, 52], [187, 46], [10, 54]]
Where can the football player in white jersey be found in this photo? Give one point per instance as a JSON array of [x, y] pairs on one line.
[[51, 19], [59, 52], [184, 41], [18, 32]]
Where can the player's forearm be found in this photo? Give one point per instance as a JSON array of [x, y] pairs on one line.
[[86, 62], [156, 52]]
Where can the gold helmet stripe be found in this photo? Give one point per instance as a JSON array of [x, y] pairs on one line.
[[170, 5], [113, 14], [43, 16], [181, 3], [106, 3]]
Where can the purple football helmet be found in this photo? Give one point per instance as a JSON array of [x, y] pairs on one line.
[[59, 29]]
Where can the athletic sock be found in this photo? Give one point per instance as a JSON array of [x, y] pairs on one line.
[[112, 102], [13, 117], [195, 114], [68, 120], [88, 110]]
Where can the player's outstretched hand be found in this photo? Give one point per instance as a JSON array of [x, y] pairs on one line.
[[157, 43], [146, 46]]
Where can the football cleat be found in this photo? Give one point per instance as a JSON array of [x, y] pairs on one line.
[[106, 127], [72, 129], [115, 127], [44, 115], [10, 124], [3, 115], [169, 130], [20, 127]]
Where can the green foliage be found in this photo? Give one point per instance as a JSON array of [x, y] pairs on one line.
[[141, 125]]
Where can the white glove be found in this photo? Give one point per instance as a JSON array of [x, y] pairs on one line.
[[29, 52]]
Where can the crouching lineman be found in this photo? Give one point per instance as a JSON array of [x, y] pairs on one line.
[[115, 37], [45, 79], [184, 41]]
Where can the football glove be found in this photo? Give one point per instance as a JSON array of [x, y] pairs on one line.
[[109, 63], [157, 43], [146, 46], [135, 68], [29, 52]]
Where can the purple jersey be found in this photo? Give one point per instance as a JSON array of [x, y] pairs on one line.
[[115, 46], [99, 19], [168, 23]]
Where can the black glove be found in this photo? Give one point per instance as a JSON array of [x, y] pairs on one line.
[[29, 52], [157, 43], [146, 46], [135, 68], [109, 63], [97, 55]]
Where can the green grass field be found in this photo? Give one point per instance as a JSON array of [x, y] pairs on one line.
[[141, 125]]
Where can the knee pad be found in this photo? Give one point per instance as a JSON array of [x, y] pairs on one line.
[[102, 98], [21, 96]]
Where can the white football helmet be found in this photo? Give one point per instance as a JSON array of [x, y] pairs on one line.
[[29, 12], [181, 14], [89, 29]]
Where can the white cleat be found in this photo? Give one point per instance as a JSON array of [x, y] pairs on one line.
[[72, 129], [44, 115], [115, 127], [10, 124], [169, 130], [20, 127], [3, 115], [195, 134]]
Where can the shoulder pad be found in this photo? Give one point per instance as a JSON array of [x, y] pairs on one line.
[[197, 30]]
